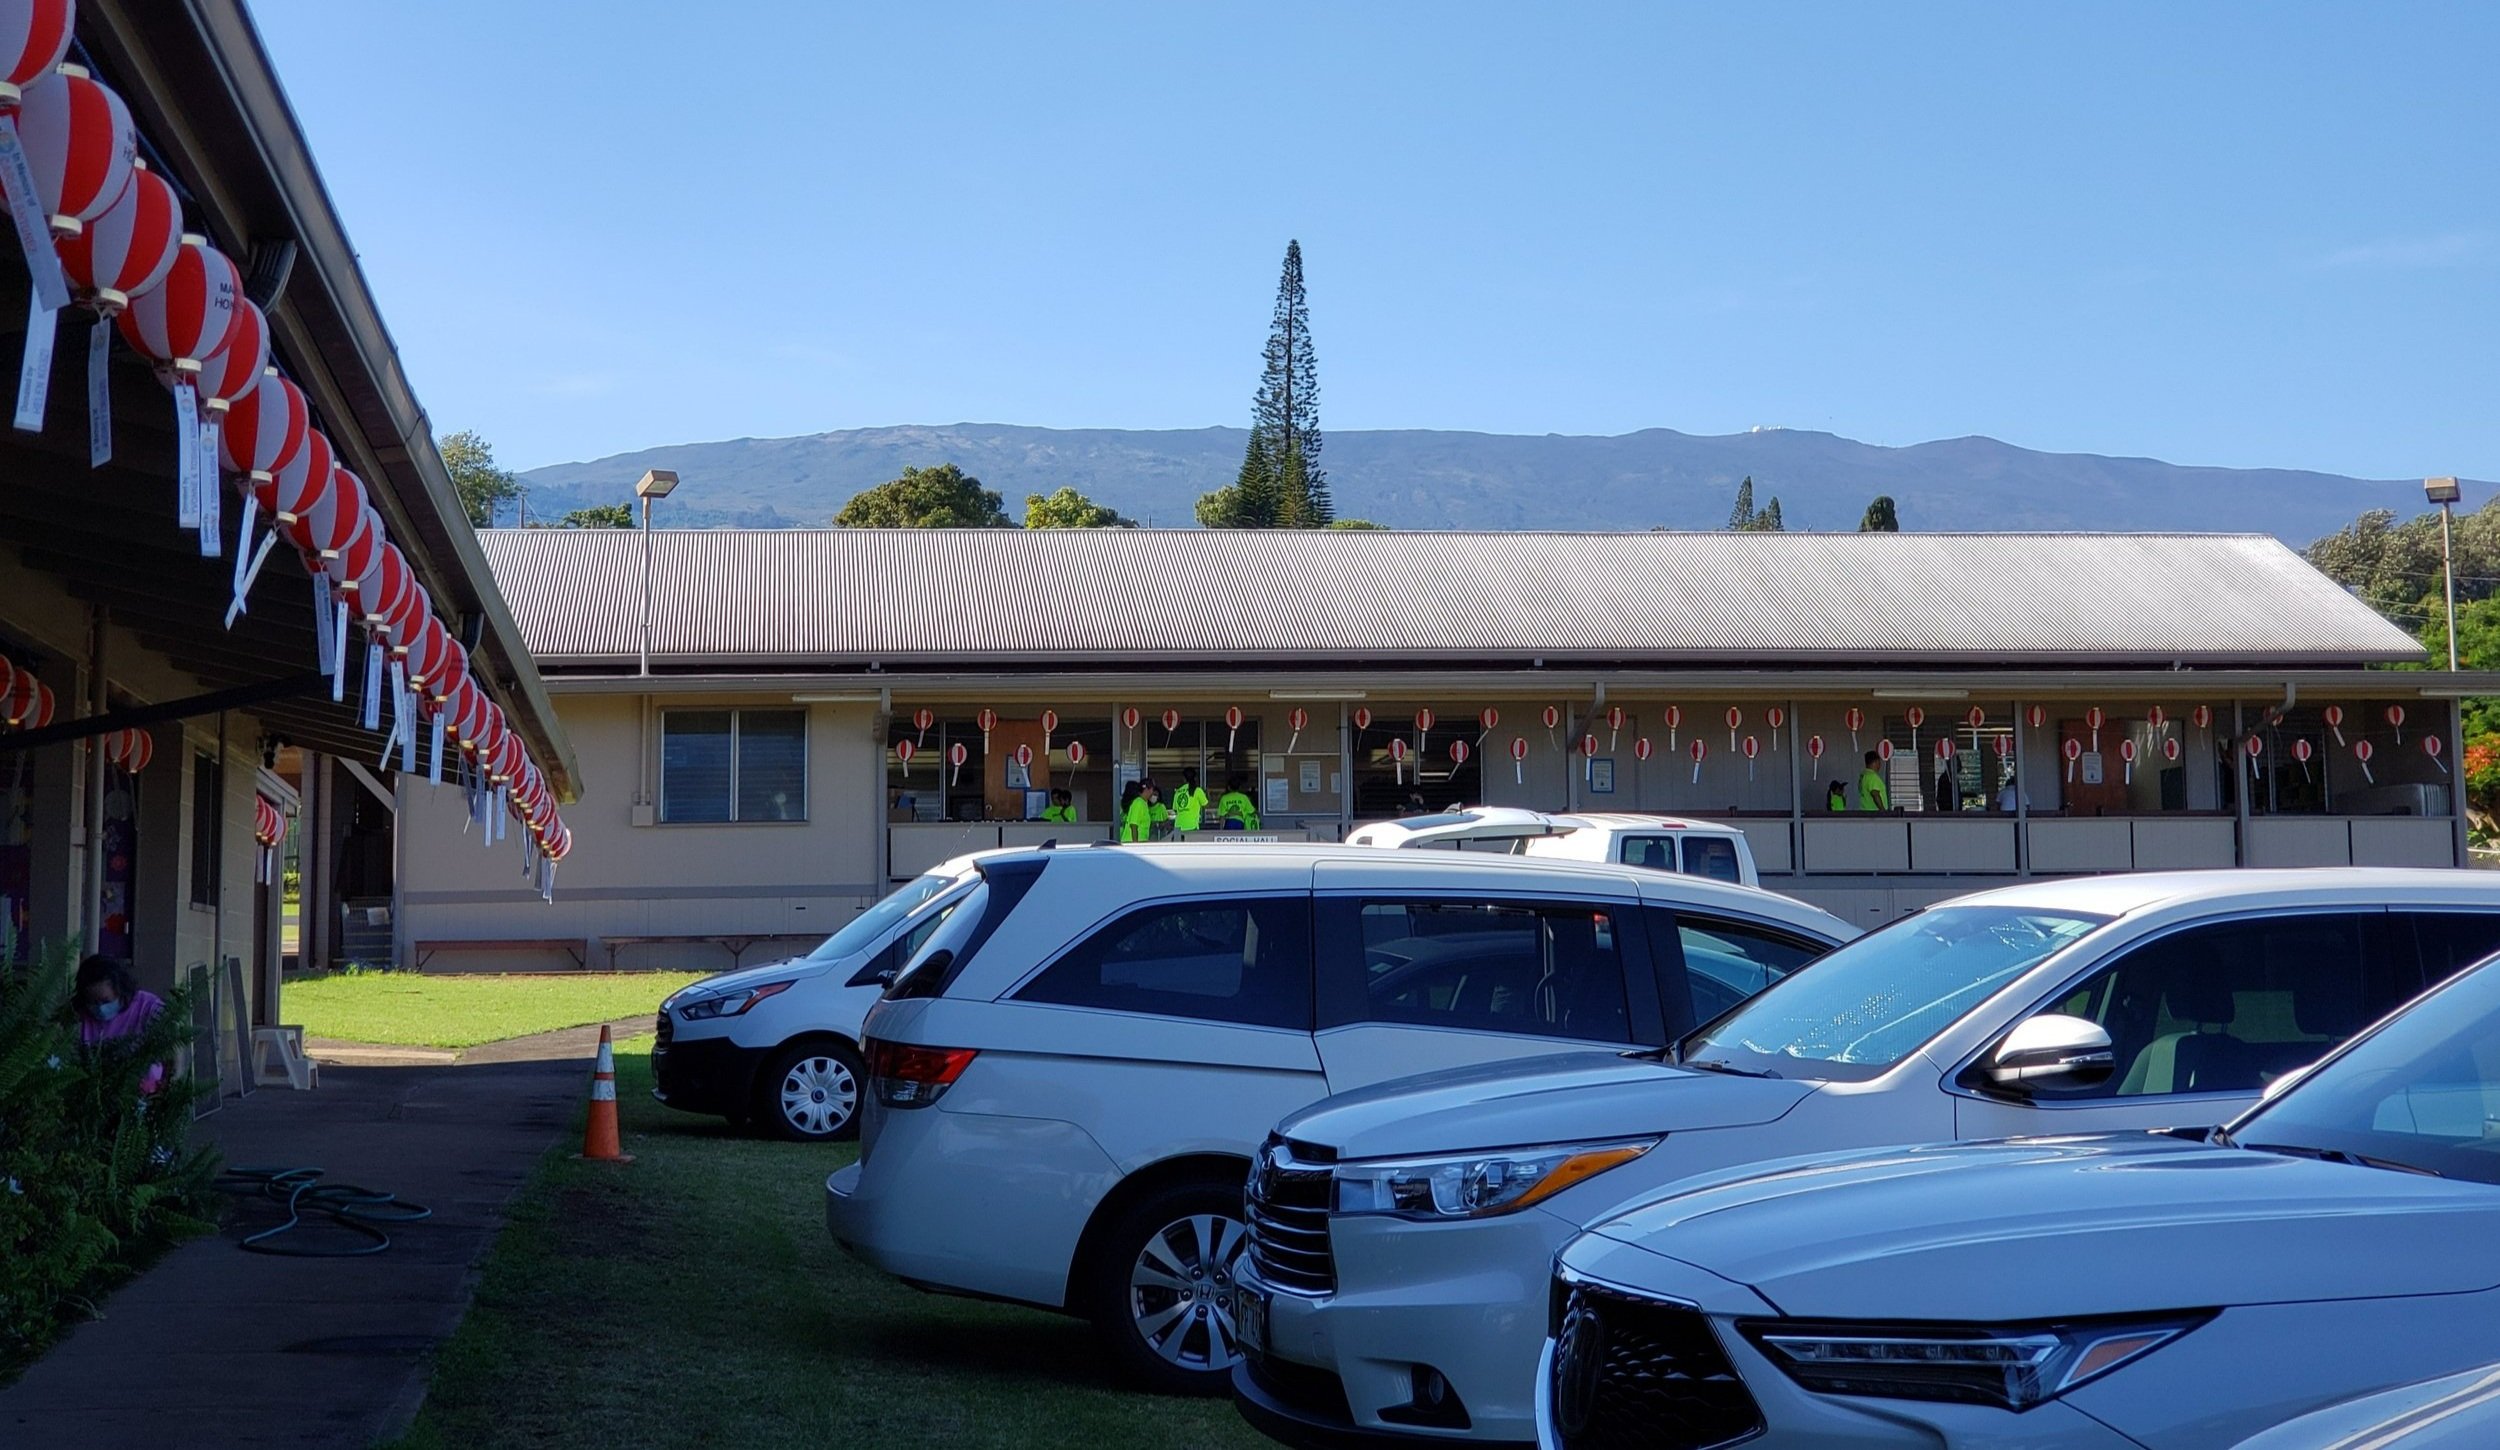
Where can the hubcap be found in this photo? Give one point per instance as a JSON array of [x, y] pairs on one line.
[[818, 1095], [1180, 1291]]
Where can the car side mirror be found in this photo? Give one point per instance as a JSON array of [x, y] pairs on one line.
[[2052, 1052]]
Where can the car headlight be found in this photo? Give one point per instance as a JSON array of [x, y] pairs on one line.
[[1476, 1185], [2011, 1366], [730, 1004]]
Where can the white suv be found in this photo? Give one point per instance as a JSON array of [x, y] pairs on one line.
[[1710, 849], [776, 1047], [1067, 1085], [1401, 1235]]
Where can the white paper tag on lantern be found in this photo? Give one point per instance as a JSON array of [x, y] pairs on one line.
[[100, 392], [187, 453], [244, 560], [212, 496], [434, 760], [369, 711], [34, 373], [407, 725], [321, 618], [338, 650], [34, 229]]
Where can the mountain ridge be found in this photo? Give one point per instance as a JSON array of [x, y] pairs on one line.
[[1460, 479]]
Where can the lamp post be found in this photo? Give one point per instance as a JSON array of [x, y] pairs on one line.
[[2444, 492], [655, 483]]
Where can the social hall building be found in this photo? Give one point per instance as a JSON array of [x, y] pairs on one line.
[[777, 726]]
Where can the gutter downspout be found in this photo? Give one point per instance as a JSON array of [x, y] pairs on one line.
[[91, 894]]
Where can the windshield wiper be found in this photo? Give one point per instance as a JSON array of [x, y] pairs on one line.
[[2338, 1155], [1713, 1064]]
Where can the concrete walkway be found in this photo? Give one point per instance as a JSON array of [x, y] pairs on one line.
[[217, 1348], [578, 1042]]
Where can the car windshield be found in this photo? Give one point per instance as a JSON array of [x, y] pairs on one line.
[[1878, 999], [870, 926], [2422, 1092]]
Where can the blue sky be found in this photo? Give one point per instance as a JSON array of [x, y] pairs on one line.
[[2230, 234]]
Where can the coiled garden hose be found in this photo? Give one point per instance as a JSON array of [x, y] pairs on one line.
[[350, 1207]]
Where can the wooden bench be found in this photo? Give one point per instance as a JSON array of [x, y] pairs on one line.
[[578, 948], [736, 946]]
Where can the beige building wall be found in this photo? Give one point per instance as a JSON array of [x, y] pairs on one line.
[[769, 882]]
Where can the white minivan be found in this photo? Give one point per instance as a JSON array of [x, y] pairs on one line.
[[1067, 1085], [1710, 849], [776, 1047], [1401, 1236]]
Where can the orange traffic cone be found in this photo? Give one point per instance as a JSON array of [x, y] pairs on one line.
[[601, 1142]]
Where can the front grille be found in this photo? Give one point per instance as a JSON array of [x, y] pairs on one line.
[[1288, 1202], [1630, 1371]]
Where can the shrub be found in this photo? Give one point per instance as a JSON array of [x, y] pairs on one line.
[[95, 1178]]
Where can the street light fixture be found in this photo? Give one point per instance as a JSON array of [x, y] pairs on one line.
[[654, 483], [2444, 492]]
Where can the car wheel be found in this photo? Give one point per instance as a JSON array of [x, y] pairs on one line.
[[810, 1093], [1163, 1293]]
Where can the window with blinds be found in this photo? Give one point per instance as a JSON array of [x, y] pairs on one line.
[[733, 765]]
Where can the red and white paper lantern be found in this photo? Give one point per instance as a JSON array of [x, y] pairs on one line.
[[2301, 751], [180, 325], [2092, 721], [1024, 757], [2036, 716], [1640, 748], [1673, 718], [1553, 719], [1883, 751], [2126, 754], [1459, 751], [79, 146], [2255, 747], [1397, 756], [2073, 749], [1076, 753], [2157, 717], [1751, 747], [34, 35], [129, 750], [1614, 726], [2202, 717], [988, 721], [1855, 719], [1129, 719], [2335, 722], [2431, 747], [904, 750], [1814, 751], [2396, 722], [2362, 751], [1171, 726], [1777, 719], [1296, 720], [1735, 717], [1700, 751], [1487, 720], [1232, 727], [1519, 758], [2170, 748], [1050, 727], [956, 755]]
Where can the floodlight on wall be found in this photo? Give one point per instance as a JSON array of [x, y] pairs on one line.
[[656, 483]]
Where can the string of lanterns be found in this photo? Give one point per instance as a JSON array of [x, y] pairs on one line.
[[102, 232]]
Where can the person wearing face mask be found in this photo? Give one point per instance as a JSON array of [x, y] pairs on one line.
[[112, 1009]]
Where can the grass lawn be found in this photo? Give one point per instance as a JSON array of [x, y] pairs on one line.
[[692, 1297], [407, 1009]]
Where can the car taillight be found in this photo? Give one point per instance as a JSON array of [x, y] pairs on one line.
[[904, 1076]]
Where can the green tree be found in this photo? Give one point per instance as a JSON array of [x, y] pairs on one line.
[[1881, 517], [1355, 525], [1768, 521], [2395, 567], [597, 516], [1068, 509], [1282, 459], [1254, 499], [484, 488], [943, 497], [1741, 517]]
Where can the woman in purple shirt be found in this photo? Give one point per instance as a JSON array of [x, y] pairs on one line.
[[112, 1009]]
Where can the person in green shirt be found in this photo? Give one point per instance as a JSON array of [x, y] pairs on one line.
[[1136, 817], [1873, 794], [1189, 803], [1159, 813], [1062, 807], [1236, 805]]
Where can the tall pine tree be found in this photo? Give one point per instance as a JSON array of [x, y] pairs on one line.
[[1741, 517], [1281, 484]]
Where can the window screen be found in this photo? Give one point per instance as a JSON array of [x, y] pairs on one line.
[[733, 765], [1543, 971], [1243, 961]]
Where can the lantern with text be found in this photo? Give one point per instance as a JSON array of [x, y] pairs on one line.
[[71, 166], [1751, 747], [124, 253], [227, 376], [34, 35], [956, 755], [2126, 754], [2431, 747], [1232, 728], [1397, 756], [181, 325], [1050, 727], [1814, 752], [2301, 751], [2396, 722], [1855, 719], [2334, 715], [1614, 726], [1700, 751], [1777, 719], [1519, 758], [1297, 720], [2361, 751], [988, 721], [2073, 750], [264, 432]]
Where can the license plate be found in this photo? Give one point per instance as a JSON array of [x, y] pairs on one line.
[[1249, 1319]]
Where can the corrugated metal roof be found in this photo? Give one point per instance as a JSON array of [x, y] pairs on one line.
[[907, 596]]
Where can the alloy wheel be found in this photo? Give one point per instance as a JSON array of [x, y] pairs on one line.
[[1181, 1292]]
